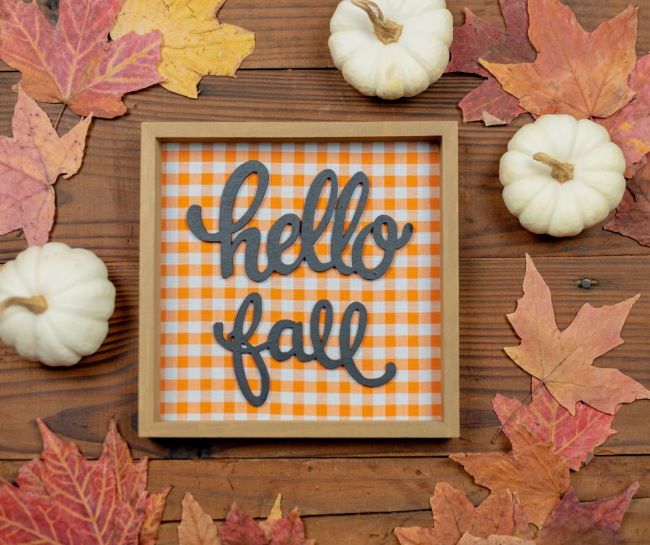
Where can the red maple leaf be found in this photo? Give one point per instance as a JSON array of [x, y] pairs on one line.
[[64, 499], [74, 63]]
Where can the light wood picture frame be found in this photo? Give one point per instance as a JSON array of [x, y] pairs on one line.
[[155, 135]]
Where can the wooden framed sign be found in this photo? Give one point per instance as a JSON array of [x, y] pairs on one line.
[[299, 280]]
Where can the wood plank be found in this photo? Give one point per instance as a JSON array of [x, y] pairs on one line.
[[377, 529], [111, 167], [78, 402], [335, 486], [294, 33]]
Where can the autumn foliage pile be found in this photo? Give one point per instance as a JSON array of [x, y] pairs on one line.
[[570, 413], [546, 63]]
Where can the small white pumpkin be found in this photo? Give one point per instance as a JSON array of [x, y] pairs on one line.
[[391, 48], [55, 303], [562, 175]]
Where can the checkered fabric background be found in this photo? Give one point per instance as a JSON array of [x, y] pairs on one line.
[[197, 378]]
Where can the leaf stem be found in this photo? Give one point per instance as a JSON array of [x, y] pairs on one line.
[[58, 119]]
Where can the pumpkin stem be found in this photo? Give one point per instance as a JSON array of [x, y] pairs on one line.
[[36, 304], [386, 30], [562, 172]]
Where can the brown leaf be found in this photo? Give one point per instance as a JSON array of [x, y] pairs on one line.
[[630, 127], [589, 523], [454, 514], [153, 513], [574, 437], [74, 63], [64, 499], [632, 217], [563, 361], [532, 470], [30, 164], [578, 73], [478, 39], [196, 527]]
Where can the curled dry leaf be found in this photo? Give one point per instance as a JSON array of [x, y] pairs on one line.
[[532, 470], [196, 527], [478, 39], [454, 515], [630, 127], [195, 43], [563, 361], [632, 217], [589, 523], [574, 437], [30, 164], [74, 63], [578, 73], [64, 499]]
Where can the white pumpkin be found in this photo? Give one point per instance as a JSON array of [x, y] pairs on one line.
[[562, 175], [55, 303], [391, 48]]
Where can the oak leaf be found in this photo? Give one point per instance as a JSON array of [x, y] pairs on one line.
[[277, 529], [196, 527], [478, 39], [74, 63], [563, 361], [578, 73], [630, 127], [574, 437], [632, 218], [588, 523], [195, 43], [64, 499], [30, 164], [469, 539], [537, 474], [454, 515]]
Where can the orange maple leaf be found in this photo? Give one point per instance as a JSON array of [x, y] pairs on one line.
[[454, 515], [74, 63], [30, 164], [574, 437], [563, 361], [578, 73], [532, 470], [65, 499]]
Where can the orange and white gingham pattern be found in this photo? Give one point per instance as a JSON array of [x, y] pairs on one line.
[[197, 379]]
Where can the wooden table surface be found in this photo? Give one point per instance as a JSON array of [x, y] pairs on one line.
[[351, 492]]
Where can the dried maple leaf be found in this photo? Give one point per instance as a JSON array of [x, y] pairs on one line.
[[630, 127], [468, 539], [578, 73], [563, 361], [30, 164], [454, 515], [195, 44], [589, 523], [477, 39], [574, 437], [64, 499], [74, 63], [532, 470], [632, 217], [196, 527], [240, 528]]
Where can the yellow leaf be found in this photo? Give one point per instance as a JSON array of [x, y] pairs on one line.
[[195, 43]]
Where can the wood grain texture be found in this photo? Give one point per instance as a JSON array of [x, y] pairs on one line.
[[354, 492], [78, 402]]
